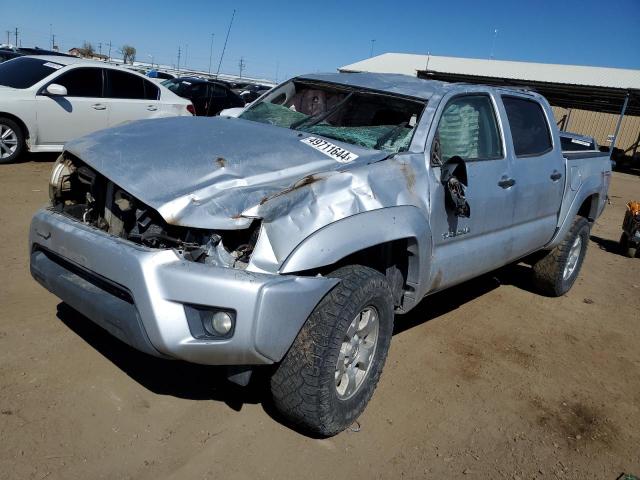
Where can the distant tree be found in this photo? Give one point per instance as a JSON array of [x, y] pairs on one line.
[[128, 54], [86, 50]]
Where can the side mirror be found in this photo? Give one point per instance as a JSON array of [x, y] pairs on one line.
[[56, 90], [454, 179]]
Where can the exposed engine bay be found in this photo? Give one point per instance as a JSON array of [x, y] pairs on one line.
[[78, 191]]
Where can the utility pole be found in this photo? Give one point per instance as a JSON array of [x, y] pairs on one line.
[[16, 44], [109, 59], [372, 42], [178, 60], [242, 65], [211, 52], [53, 41], [51, 34], [100, 48], [8, 37], [225, 42]]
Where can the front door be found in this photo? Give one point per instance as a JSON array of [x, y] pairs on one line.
[[80, 112], [468, 135]]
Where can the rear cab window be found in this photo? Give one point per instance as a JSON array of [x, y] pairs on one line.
[[529, 127], [25, 72]]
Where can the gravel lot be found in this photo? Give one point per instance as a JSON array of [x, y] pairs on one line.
[[487, 380]]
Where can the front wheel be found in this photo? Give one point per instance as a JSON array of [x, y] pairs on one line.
[[328, 376], [555, 273], [11, 140]]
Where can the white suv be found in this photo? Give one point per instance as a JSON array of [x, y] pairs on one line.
[[46, 101]]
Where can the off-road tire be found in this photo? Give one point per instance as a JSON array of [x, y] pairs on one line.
[[627, 248], [4, 121], [548, 271], [303, 386]]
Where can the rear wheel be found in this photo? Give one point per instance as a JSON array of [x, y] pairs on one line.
[[555, 273], [328, 376], [11, 140]]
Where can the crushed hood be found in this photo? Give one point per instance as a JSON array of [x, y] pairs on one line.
[[204, 172]]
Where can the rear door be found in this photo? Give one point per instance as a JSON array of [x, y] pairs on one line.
[[130, 97], [464, 247], [80, 112], [539, 172]]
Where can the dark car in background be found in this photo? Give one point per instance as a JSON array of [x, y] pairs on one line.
[[7, 53], [208, 97], [250, 92]]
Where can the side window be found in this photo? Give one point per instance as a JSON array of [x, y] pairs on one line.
[[218, 91], [199, 90], [151, 91], [468, 129], [529, 128], [125, 85], [82, 82]]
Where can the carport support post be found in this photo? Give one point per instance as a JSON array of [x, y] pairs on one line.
[[615, 135]]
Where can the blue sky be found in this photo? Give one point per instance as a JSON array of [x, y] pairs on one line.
[[289, 38]]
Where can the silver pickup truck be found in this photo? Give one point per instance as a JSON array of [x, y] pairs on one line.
[[291, 234]]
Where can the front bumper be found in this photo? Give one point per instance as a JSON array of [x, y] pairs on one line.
[[138, 294]]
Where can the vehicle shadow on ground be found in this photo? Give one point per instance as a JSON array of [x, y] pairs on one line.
[[610, 246], [164, 377], [37, 157], [448, 300], [198, 382]]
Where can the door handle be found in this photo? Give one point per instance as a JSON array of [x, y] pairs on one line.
[[152, 108], [506, 182], [99, 106], [555, 176]]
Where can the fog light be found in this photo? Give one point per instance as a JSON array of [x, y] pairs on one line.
[[210, 322], [221, 323]]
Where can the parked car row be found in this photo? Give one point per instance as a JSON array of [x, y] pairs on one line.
[[47, 100]]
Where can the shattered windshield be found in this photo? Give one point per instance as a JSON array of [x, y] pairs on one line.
[[369, 119]]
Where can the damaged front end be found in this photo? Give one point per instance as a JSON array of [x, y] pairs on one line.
[[78, 191]]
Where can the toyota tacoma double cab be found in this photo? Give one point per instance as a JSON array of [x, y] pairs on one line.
[[292, 234]]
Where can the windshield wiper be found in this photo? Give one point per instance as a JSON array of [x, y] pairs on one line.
[[315, 119], [389, 135]]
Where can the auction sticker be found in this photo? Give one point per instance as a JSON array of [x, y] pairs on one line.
[[339, 154], [57, 66]]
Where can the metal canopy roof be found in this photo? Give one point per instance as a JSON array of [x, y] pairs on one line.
[[570, 86]]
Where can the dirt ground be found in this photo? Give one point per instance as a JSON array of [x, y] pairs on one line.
[[487, 380]]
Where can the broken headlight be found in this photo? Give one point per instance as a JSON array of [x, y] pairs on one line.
[[60, 181]]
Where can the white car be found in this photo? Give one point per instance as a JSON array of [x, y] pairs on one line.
[[47, 100]]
